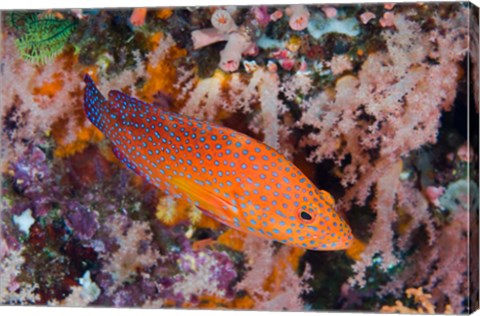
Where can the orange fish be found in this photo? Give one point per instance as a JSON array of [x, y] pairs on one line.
[[227, 175]]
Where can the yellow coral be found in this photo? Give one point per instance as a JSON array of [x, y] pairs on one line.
[[423, 301], [294, 43], [195, 215], [172, 212], [168, 211]]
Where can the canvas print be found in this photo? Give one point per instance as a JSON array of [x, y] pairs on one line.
[[304, 157]]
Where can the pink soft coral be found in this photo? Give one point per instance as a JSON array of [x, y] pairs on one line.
[[205, 37], [231, 55], [400, 94]]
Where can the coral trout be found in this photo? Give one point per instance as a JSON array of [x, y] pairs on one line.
[[229, 176]]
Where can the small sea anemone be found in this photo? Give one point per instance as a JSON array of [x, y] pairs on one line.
[[299, 17], [223, 21]]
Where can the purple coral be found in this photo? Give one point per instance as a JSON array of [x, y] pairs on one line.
[[261, 15], [82, 221], [205, 272], [32, 178]]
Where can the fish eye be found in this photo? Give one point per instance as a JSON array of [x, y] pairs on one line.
[[305, 215]]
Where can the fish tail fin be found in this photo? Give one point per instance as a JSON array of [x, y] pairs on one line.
[[95, 104]]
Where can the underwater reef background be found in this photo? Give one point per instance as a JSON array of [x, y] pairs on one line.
[[369, 101]]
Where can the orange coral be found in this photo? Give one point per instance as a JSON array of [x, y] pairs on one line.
[[210, 301], [164, 14], [83, 137], [232, 239], [356, 249], [92, 71], [245, 302], [423, 301], [294, 257], [207, 222], [163, 75], [170, 212], [49, 88]]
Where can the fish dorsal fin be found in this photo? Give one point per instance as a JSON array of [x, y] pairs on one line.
[[130, 105], [133, 112], [118, 98], [208, 200], [95, 104], [122, 99]]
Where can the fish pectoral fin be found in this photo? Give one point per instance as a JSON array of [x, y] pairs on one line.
[[210, 202]]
